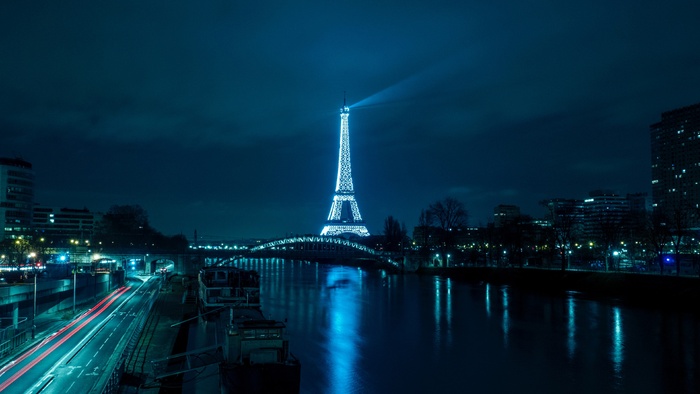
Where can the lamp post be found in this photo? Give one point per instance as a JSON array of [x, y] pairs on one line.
[[75, 283], [74, 246], [34, 317]]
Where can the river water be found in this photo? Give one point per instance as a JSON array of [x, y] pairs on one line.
[[358, 331]]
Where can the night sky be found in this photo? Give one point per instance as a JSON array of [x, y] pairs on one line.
[[223, 116]]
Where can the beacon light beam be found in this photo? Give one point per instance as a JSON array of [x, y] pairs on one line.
[[399, 92], [410, 88]]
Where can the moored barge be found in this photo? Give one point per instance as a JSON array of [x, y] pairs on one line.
[[256, 349]]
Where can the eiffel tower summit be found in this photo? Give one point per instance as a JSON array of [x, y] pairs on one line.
[[344, 217]]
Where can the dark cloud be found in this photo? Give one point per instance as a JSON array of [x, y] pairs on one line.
[[223, 116]]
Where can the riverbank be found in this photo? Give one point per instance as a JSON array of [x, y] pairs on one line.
[[634, 288]]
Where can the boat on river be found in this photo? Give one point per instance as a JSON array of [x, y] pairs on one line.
[[224, 287], [256, 349]]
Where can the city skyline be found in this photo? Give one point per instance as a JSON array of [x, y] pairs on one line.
[[222, 118]]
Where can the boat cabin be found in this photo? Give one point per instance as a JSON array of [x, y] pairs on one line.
[[228, 286]]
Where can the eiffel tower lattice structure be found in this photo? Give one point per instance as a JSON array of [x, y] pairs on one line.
[[344, 217]]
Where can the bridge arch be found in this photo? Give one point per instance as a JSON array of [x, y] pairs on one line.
[[323, 249], [313, 241]]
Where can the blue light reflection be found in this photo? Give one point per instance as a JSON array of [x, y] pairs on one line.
[[343, 336], [506, 318], [487, 300], [571, 327], [618, 343]]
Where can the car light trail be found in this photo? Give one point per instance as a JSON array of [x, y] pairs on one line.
[[117, 293], [103, 305]]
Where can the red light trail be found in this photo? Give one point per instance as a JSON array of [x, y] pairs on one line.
[[103, 305]]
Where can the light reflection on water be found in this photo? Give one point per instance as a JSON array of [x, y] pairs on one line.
[[341, 340], [618, 345], [506, 317], [372, 332], [571, 326], [448, 312], [437, 314], [442, 314]]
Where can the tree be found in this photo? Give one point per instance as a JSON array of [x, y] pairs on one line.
[[394, 234], [637, 242], [425, 222], [422, 234], [41, 249], [488, 240], [680, 220], [607, 228], [450, 216], [127, 227], [657, 234], [123, 226], [564, 227], [17, 251], [177, 243], [515, 237], [126, 219]]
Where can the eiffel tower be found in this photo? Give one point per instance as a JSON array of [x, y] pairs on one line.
[[344, 217]]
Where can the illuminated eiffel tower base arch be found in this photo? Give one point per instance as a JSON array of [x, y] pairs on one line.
[[344, 217]]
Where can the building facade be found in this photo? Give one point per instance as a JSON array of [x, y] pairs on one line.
[[61, 225], [565, 213], [675, 161], [505, 214], [16, 198], [606, 215]]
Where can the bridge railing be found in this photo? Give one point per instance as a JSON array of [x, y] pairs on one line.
[[314, 239], [12, 337]]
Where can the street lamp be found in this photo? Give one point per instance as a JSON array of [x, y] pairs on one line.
[[75, 283], [33, 256]]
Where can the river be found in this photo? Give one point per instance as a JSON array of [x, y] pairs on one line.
[[359, 331]]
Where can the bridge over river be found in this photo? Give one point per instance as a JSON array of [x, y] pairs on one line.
[[331, 250]]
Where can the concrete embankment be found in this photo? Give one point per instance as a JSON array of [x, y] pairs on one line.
[[643, 289], [161, 337]]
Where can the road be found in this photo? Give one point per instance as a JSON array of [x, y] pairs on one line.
[[73, 358]]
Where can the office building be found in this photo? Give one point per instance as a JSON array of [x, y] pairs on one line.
[[675, 161], [504, 215], [565, 214], [16, 198], [61, 225], [606, 215]]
